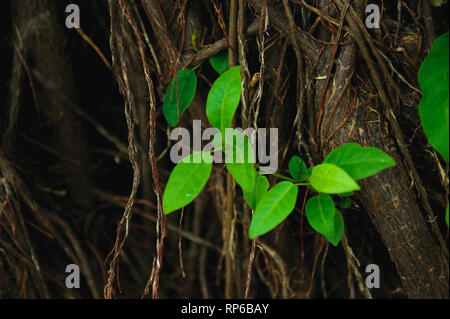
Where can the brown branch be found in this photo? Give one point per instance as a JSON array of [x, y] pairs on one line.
[[151, 152], [245, 73], [300, 74], [330, 67], [122, 79], [285, 289], [353, 262], [119, 200], [278, 20], [428, 23], [249, 269], [180, 237], [354, 23], [232, 33]]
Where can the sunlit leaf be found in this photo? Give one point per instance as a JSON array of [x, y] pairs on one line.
[[239, 157], [186, 181], [331, 179], [223, 99], [273, 208], [359, 162]]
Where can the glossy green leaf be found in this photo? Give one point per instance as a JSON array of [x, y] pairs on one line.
[[331, 179], [260, 189], [297, 168], [219, 62], [240, 161], [434, 105], [440, 45], [359, 162], [179, 95], [239, 157], [336, 236], [273, 208], [186, 181], [223, 99], [320, 211]]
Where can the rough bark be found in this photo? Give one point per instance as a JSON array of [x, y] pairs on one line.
[[51, 69]]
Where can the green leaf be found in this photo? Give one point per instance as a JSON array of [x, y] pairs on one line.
[[219, 62], [320, 211], [331, 179], [347, 194], [359, 162], [273, 208], [336, 237], [240, 161], [434, 115], [308, 173], [297, 168], [223, 99], [440, 45], [179, 95], [186, 181], [261, 186], [434, 105], [239, 157], [345, 202], [325, 218]]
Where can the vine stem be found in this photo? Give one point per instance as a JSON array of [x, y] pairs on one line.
[[249, 268], [302, 184]]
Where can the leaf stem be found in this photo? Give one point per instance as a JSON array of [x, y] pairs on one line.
[[283, 177]]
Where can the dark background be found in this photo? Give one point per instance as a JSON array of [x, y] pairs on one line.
[[92, 208]]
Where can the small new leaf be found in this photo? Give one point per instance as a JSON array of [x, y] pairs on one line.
[[261, 186], [297, 168]]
